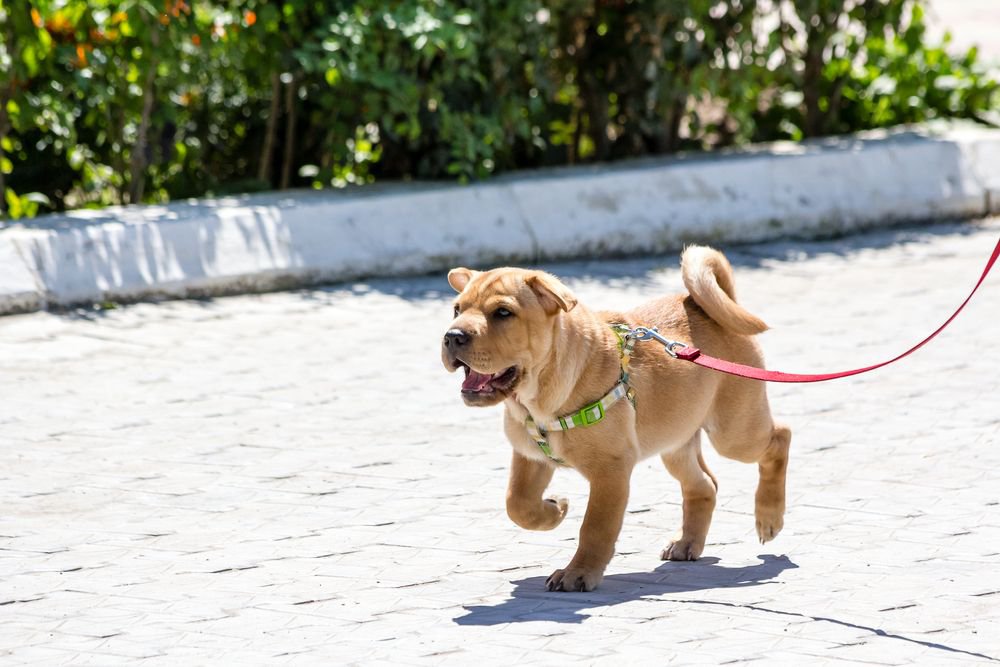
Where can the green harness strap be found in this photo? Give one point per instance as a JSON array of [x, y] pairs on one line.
[[592, 413]]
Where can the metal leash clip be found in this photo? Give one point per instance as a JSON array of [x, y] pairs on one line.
[[669, 346], [642, 333]]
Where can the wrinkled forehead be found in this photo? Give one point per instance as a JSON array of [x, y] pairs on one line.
[[495, 285]]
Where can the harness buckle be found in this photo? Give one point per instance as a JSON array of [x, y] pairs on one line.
[[591, 414]]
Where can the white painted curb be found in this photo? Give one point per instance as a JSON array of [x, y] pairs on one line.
[[284, 240], [19, 293]]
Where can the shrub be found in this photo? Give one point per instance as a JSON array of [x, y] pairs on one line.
[[121, 102]]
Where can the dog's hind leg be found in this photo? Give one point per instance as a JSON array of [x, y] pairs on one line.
[[769, 503], [741, 428], [525, 507], [698, 488]]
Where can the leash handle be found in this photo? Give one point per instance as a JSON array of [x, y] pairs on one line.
[[696, 356]]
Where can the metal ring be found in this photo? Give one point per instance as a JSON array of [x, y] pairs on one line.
[[669, 348]]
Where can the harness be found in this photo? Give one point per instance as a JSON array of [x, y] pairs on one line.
[[592, 413]]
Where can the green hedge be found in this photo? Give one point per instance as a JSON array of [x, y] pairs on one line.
[[121, 102]]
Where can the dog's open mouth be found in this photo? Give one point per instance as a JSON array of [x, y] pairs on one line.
[[483, 384]]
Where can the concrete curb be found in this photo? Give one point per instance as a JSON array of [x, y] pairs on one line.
[[280, 240]]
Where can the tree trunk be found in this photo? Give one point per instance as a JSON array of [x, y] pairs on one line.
[[117, 132], [595, 101], [574, 144], [677, 112], [590, 65], [267, 153], [816, 39], [287, 161], [836, 97], [137, 166]]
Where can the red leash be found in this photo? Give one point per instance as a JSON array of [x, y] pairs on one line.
[[694, 355]]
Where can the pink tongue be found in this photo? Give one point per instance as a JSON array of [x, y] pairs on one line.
[[476, 381]]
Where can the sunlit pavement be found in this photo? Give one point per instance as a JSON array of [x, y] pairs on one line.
[[292, 478]]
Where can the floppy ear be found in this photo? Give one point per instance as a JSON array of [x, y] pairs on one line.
[[460, 277], [552, 294]]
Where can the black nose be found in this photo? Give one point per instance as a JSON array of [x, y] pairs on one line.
[[456, 337]]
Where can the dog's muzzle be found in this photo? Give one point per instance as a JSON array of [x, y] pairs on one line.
[[455, 338]]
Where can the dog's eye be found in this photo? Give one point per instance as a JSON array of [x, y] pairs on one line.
[[457, 310], [501, 313]]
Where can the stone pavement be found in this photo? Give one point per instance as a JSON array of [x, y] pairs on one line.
[[293, 479]]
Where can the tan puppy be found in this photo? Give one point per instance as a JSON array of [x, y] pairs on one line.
[[523, 339]]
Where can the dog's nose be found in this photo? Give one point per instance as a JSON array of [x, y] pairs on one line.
[[455, 337]]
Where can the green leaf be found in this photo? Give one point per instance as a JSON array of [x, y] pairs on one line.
[[45, 40], [30, 59], [14, 208]]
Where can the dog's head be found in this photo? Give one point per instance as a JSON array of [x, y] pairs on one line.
[[503, 328]]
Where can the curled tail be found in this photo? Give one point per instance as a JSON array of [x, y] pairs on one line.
[[709, 278]]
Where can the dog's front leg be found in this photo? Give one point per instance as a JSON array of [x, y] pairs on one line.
[[609, 488], [525, 507]]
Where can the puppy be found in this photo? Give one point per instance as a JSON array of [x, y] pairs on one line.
[[522, 339]]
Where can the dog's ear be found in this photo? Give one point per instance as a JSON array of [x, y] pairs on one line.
[[552, 294], [460, 277]]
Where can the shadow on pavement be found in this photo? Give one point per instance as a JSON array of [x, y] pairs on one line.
[[644, 269], [531, 602]]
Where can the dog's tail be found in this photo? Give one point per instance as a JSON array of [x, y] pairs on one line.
[[709, 278]]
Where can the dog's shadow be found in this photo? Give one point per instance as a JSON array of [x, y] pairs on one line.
[[530, 601]]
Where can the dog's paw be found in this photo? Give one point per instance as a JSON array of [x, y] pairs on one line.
[[562, 504], [683, 549], [574, 579], [770, 521], [535, 514]]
